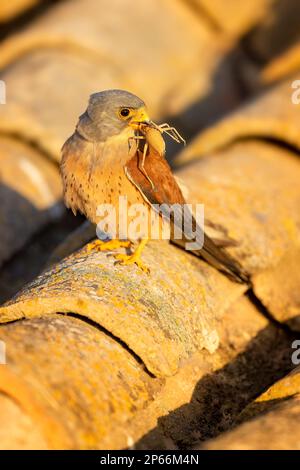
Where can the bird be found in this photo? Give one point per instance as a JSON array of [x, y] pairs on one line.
[[116, 150]]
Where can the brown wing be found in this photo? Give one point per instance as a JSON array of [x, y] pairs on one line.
[[166, 191]]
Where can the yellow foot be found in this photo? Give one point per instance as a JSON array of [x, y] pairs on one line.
[[125, 260], [108, 245]]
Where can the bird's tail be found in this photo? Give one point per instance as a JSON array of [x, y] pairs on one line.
[[210, 252], [222, 261]]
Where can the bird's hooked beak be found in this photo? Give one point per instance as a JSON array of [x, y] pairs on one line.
[[139, 117]]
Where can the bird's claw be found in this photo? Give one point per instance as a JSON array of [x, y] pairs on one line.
[[126, 260], [109, 245]]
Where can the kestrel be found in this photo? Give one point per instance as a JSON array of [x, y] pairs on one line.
[[115, 151]]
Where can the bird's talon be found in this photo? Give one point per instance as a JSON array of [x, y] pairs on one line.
[[126, 260], [109, 245]]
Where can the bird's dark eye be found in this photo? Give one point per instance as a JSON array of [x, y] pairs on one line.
[[125, 112]]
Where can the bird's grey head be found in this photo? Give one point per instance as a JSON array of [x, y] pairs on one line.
[[108, 113]]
